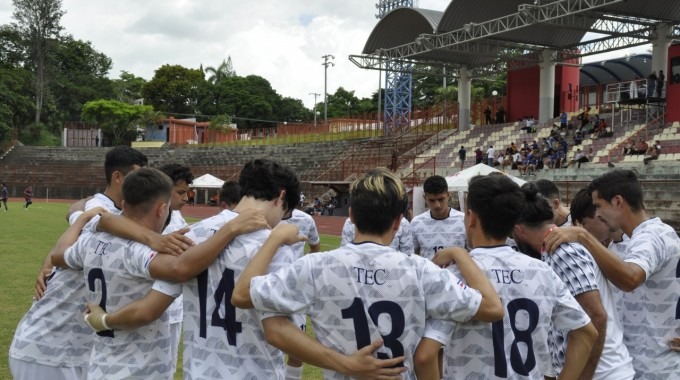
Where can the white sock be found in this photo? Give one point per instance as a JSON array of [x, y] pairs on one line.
[[293, 373]]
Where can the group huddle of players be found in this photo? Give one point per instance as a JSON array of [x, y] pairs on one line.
[[513, 286]]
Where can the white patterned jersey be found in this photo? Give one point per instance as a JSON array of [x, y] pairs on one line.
[[98, 200], [177, 222], [402, 241], [516, 347], [221, 341], [360, 292], [574, 265], [116, 272], [431, 235], [307, 227], [53, 332], [619, 249], [652, 311], [567, 222]]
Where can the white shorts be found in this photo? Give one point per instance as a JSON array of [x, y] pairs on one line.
[[23, 370], [300, 320]]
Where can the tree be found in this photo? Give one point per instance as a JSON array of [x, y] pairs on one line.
[[12, 50], [116, 118], [129, 87], [175, 89], [224, 70], [39, 23], [15, 104]]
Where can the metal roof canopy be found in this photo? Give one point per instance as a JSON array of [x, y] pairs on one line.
[[487, 38]]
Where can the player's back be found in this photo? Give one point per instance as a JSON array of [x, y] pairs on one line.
[[362, 292], [116, 273], [650, 316], [431, 235], [516, 347], [221, 341]]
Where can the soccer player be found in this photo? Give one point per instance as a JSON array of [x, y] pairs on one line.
[[117, 272], [365, 289], [648, 272], [181, 177], [534, 297], [51, 334], [306, 227], [402, 242], [561, 214], [609, 358], [230, 195], [441, 226]]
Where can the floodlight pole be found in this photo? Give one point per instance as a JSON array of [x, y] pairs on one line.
[[314, 108], [327, 61]]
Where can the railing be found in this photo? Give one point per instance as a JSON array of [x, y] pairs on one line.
[[411, 179]]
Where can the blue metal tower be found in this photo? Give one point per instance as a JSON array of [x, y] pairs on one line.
[[398, 83]]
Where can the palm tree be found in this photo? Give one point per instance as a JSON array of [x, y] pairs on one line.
[[224, 70]]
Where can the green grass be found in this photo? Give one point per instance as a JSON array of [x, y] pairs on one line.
[[27, 236]]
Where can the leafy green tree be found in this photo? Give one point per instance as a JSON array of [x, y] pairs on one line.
[[117, 119], [39, 23], [12, 49], [16, 104], [80, 76], [175, 89], [128, 87], [290, 109]]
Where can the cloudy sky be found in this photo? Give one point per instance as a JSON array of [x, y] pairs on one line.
[[280, 40]]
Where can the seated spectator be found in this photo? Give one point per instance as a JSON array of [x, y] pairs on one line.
[[577, 158], [507, 161], [561, 157], [578, 138], [642, 147], [653, 152], [629, 147], [516, 160]]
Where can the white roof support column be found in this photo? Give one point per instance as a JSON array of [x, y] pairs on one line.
[[464, 96], [546, 97], [660, 45]]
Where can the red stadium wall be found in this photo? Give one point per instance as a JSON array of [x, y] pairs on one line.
[[567, 79], [523, 91], [673, 89]]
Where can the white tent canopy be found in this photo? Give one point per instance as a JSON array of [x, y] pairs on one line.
[[459, 181], [207, 181]]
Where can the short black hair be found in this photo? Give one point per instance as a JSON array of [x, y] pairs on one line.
[[377, 199], [498, 201], [177, 173], [435, 184], [230, 192], [537, 209], [619, 182], [547, 188], [582, 206], [264, 179], [143, 187], [122, 158]]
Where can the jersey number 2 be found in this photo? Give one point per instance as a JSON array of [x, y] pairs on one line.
[[356, 312], [222, 296], [518, 364], [94, 275]]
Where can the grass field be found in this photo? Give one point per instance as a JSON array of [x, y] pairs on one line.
[[27, 236]]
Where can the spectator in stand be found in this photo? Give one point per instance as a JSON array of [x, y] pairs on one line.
[[642, 147], [516, 160], [461, 156], [478, 156], [629, 147], [500, 115], [659, 84], [578, 138], [487, 115], [633, 90], [507, 161], [563, 120], [561, 157], [653, 152], [602, 128], [651, 84], [490, 155], [584, 117]]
